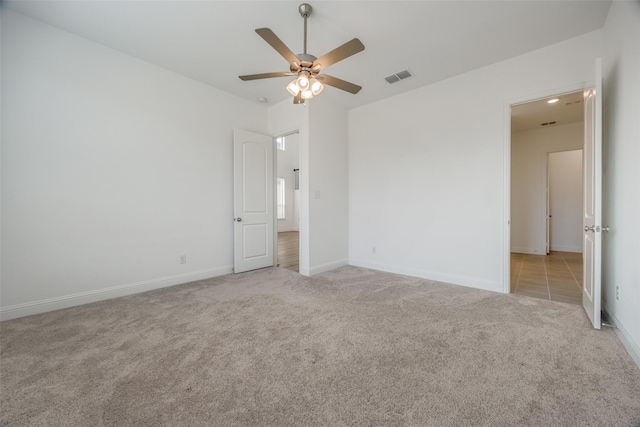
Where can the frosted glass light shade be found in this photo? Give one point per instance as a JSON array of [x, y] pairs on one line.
[[316, 86], [305, 86], [293, 88], [303, 80]]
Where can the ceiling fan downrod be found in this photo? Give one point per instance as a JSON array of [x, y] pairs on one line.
[[305, 10]]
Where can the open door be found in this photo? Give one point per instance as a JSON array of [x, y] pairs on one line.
[[592, 219], [252, 201], [548, 211]]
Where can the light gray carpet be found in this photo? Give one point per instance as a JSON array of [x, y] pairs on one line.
[[348, 347]]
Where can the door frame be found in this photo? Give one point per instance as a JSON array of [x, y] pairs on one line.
[[506, 242], [275, 180]]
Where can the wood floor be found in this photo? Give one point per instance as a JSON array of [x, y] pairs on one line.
[[555, 277], [289, 250]]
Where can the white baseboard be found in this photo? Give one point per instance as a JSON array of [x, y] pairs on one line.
[[327, 267], [566, 248], [531, 251], [534, 251], [632, 348], [431, 275], [66, 301]]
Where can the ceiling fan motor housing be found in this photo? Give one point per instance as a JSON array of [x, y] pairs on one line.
[[306, 61]]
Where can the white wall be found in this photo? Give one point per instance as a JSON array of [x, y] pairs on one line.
[[328, 185], [111, 169], [288, 160], [621, 246], [565, 201], [428, 169], [529, 151]]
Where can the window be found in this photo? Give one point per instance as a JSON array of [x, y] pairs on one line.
[[280, 187], [280, 143]]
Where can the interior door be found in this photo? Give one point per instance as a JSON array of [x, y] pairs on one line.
[[548, 211], [253, 200], [592, 220]]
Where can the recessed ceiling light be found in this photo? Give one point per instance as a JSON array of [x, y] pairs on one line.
[[553, 101]]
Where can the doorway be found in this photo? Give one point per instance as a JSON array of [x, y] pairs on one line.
[[564, 201], [288, 201], [547, 136]]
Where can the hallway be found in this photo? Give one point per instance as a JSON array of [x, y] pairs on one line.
[[289, 250], [555, 277]]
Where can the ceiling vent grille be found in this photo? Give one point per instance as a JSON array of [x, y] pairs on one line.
[[404, 74]]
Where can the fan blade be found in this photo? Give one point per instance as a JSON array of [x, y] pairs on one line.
[[339, 83], [270, 37], [338, 54], [266, 75]]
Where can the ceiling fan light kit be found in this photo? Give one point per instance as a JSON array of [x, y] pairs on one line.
[[306, 68]]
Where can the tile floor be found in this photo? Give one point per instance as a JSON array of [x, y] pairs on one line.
[[555, 277]]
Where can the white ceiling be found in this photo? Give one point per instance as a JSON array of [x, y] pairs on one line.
[[214, 41], [540, 114]]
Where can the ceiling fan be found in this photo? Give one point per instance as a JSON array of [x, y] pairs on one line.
[[306, 68]]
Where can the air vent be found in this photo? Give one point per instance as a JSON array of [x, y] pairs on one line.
[[404, 74]]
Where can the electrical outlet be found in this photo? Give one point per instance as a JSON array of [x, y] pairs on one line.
[[183, 259], [618, 292]]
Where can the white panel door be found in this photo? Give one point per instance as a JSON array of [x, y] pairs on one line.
[[592, 220], [548, 212], [253, 200]]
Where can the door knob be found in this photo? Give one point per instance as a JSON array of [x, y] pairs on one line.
[[239, 219], [605, 228], [592, 228]]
